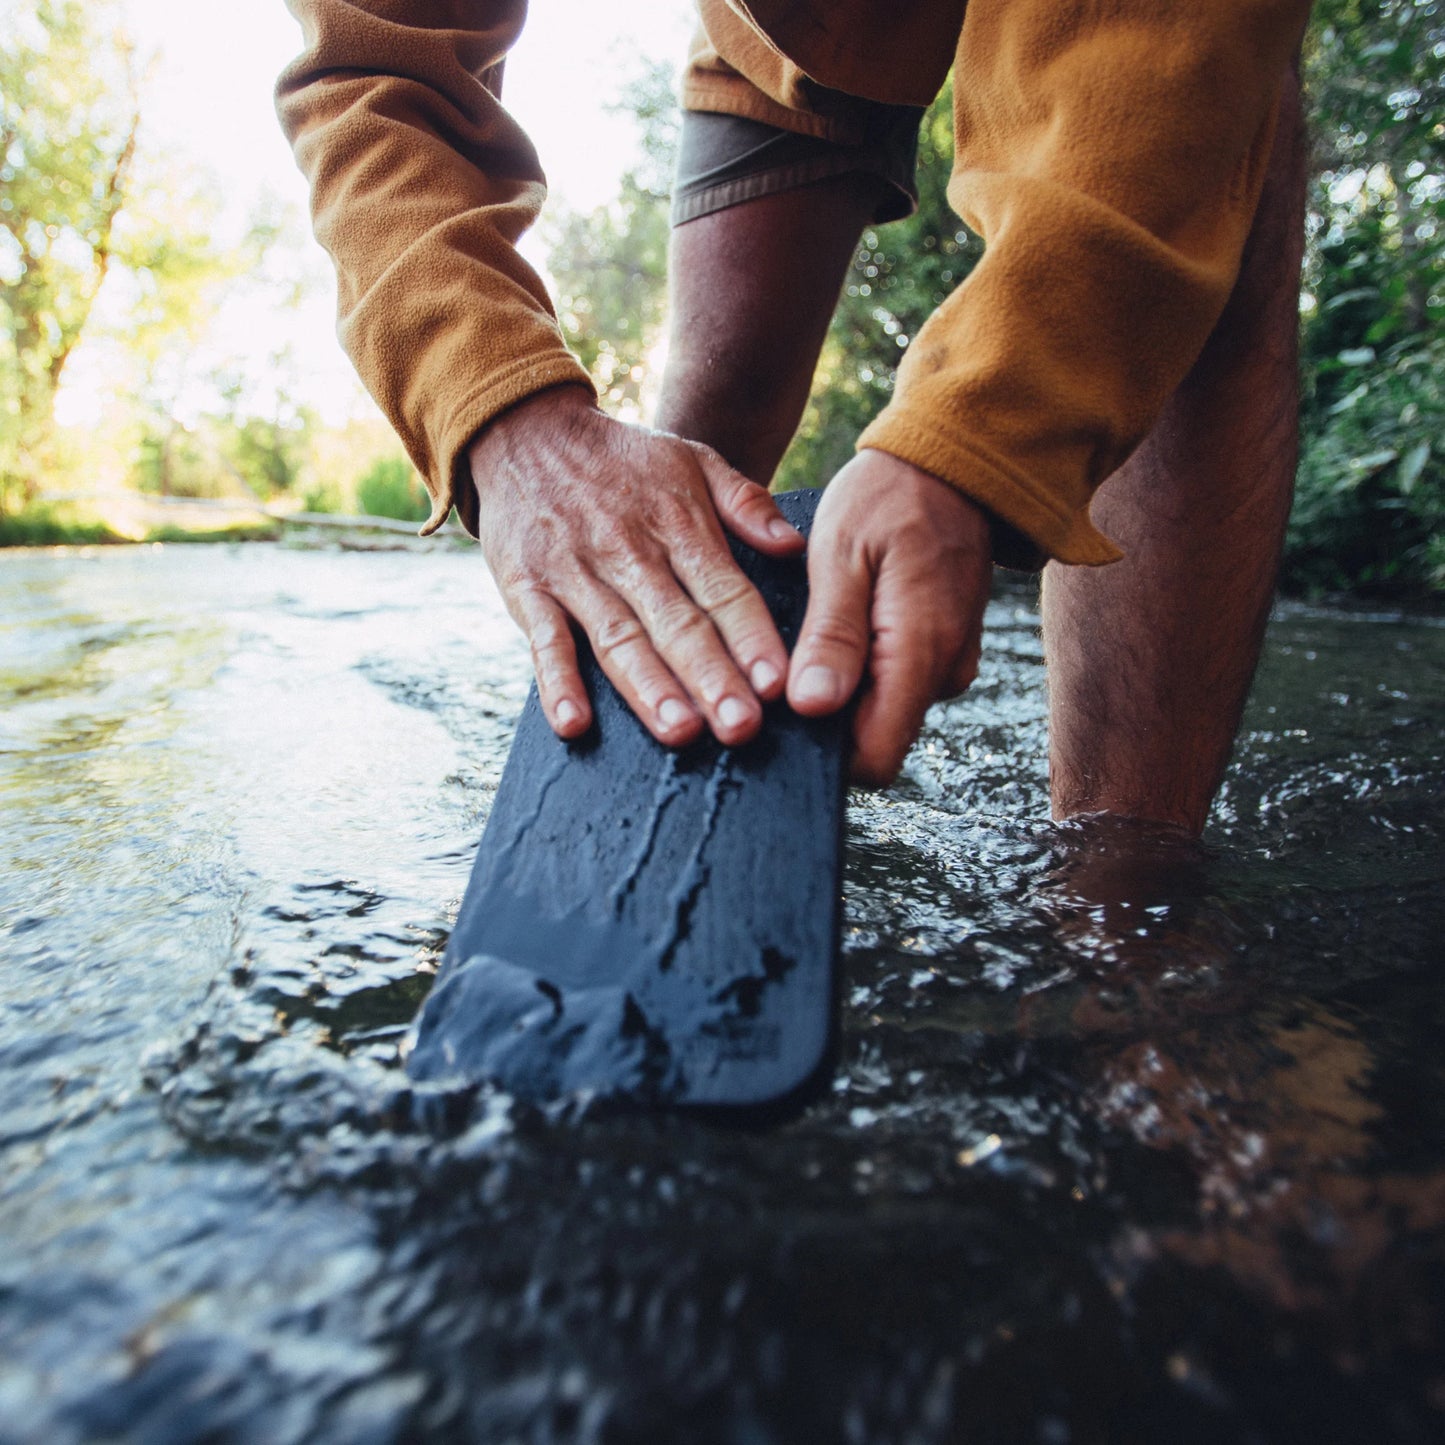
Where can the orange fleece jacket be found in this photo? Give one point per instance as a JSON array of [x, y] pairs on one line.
[[1110, 153]]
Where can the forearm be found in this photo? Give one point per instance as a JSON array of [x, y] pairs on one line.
[[421, 184], [1112, 161]]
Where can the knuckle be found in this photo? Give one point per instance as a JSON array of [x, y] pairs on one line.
[[834, 632], [678, 622], [546, 637], [744, 495], [673, 515], [551, 646], [619, 552], [723, 590], [615, 634], [519, 579]]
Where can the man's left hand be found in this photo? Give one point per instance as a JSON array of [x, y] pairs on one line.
[[899, 568]]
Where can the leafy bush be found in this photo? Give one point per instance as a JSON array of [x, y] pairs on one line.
[[322, 497], [391, 488], [900, 274], [1369, 509], [231, 532], [269, 453], [172, 461], [43, 524]]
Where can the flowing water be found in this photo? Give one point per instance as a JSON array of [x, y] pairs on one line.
[[1127, 1141]]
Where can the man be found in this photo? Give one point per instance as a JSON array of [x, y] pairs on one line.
[[1114, 157]]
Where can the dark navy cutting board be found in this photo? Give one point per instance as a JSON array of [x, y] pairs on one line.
[[648, 924]]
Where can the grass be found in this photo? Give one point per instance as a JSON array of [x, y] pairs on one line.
[[43, 524], [240, 532], [46, 524]]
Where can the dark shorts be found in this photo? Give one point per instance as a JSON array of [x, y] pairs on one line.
[[726, 159]]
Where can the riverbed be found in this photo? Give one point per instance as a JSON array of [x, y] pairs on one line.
[[1128, 1140]]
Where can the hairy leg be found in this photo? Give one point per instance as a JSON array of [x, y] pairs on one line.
[[753, 290], [1150, 659]]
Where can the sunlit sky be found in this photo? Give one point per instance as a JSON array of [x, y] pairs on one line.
[[207, 102]]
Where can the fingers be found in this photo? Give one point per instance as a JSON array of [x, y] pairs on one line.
[[554, 658], [922, 651], [902, 688], [748, 510], [705, 620], [622, 531], [680, 652], [625, 652], [899, 568], [736, 613], [833, 644]]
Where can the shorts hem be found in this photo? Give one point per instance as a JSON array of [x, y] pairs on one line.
[[896, 202]]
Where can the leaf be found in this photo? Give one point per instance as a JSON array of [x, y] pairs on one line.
[[1411, 466], [1350, 398], [1373, 462], [1355, 293]]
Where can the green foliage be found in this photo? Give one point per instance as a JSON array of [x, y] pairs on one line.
[[900, 274], [266, 450], [1370, 501], [78, 211], [322, 497], [391, 488], [68, 123], [42, 524], [232, 532], [268, 453], [173, 461], [610, 266]]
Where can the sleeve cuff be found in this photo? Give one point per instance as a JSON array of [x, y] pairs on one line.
[[1027, 525], [452, 486]]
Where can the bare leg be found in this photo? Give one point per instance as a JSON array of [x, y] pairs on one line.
[[753, 290], [1150, 659]]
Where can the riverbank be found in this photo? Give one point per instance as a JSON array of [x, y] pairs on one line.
[[56, 526], [146, 521]]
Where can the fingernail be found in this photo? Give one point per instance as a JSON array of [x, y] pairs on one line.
[[781, 530], [733, 712], [673, 713], [816, 683], [567, 713], [763, 676]]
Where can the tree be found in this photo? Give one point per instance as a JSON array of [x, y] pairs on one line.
[[1370, 506], [610, 265], [69, 117], [84, 206], [390, 487], [900, 274]]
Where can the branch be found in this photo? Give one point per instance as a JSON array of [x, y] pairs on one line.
[[102, 252]]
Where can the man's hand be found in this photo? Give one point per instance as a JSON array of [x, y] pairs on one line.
[[899, 567], [584, 518]]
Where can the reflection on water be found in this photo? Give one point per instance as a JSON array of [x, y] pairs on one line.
[[1130, 1139]]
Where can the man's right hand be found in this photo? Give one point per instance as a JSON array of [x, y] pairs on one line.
[[587, 519]]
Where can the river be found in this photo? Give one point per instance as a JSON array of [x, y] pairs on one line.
[[1128, 1141]]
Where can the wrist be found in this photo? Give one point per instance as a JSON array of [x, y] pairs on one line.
[[551, 412], [1006, 544]]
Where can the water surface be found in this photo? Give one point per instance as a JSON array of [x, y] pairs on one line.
[[1128, 1140]]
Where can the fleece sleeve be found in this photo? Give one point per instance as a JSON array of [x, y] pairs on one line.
[[1111, 154], [421, 184]]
